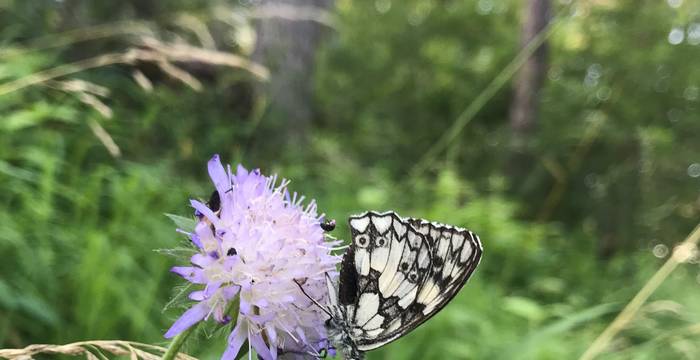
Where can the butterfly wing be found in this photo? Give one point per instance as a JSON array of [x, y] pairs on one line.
[[388, 282], [380, 274], [455, 252]]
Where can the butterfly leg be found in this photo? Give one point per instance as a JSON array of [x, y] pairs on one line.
[[326, 351], [323, 308]]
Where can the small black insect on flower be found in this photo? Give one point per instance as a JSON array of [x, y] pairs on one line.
[[328, 225], [214, 202]]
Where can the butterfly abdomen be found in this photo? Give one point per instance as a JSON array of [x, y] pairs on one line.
[[348, 289]]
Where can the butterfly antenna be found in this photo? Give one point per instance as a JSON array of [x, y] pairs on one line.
[[323, 308]]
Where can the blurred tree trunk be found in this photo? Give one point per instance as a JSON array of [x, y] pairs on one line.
[[287, 39], [529, 81], [618, 215]]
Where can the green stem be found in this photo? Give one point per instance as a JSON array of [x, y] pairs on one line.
[[177, 342]]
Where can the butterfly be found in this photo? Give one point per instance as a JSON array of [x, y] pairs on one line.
[[395, 275]]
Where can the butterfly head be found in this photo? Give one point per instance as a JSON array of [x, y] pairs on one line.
[[339, 333], [337, 325]]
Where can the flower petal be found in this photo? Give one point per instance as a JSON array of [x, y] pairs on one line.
[[244, 307], [235, 340], [230, 292], [206, 212], [259, 345], [196, 241], [191, 274], [218, 175], [201, 260], [206, 237], [330, 351], [198, 295], [211, 288], [189, 318], [241, 172], [272, 335]]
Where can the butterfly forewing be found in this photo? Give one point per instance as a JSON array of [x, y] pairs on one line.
[[456, 253], [398, 272]]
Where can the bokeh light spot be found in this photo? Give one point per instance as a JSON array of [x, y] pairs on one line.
[[484, 7], [676, 36], [660, 250], [694, 170], [382, 6], [691, 93], [694, 34], [675, 3]]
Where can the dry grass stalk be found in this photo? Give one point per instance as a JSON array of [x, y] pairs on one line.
[[105, 138], [154, 51], [682, 253], [92, 350], [142, 80], [147, 49], [88, 93], [187, 53], [82, 34]]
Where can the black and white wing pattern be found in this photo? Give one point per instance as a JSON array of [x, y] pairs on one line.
[[455, 252], [397, 273], [388, 260]]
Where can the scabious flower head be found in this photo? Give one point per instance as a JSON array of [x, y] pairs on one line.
[[251, 250]]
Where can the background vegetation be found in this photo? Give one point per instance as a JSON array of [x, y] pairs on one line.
[[576, 213]]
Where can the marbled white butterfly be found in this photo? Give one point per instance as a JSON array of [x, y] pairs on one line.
[[396, 274]]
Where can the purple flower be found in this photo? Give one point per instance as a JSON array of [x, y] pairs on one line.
[[252, 249]]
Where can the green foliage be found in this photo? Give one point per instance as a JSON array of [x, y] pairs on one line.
[[79, 228]]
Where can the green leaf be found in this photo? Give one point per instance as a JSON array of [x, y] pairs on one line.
[[243, 351], [232, 309], [96, 352], [38, 309], [6, 299], [16, 172], [525, 349], [36, 115], [183, 223], [524, 307]]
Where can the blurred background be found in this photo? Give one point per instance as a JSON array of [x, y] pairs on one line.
[[566, 134]]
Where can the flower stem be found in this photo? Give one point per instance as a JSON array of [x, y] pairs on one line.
[[177, 342]]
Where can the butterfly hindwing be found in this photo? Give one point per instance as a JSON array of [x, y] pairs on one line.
[[399, 272]]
